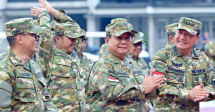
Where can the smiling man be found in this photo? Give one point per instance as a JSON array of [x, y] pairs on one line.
[[190, 76], [22, 84], [115, 84]]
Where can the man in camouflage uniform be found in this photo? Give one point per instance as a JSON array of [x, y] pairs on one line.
[[22, 84], [115, 84], [66, 83], [134, 52], [210, 52], [188, 72], [86, 63], [170, 30]]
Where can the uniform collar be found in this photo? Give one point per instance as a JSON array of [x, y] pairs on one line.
[[177, 53], [115, 59], [62, 53]]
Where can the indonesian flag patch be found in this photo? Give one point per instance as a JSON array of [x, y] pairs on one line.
[[112, 79], [157, 73]]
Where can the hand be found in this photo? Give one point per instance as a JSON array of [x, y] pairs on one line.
[[35, 11], [147, 107], [198, 93], [44, 4], [151, 82]]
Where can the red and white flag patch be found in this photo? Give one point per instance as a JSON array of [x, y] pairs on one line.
[[158, 73], [112, 79]]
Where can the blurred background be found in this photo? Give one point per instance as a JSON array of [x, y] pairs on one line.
[[147, 16]]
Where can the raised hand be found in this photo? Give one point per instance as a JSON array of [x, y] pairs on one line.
[[151, 82], [44, 4], [198, 93], [35, 11]]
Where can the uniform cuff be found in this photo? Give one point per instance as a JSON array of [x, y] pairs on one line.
[[183, 96], [141, 89]]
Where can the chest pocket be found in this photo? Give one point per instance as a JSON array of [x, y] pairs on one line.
[[175, 77], [139, 76], [25, 88], [123, 77], [198, 76], [62, 68]]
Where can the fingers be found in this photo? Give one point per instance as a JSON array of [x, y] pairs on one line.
[[152, 73], [202, 86], [199, 99], [40, 5]]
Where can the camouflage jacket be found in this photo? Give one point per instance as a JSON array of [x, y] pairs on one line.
[[212, 60], [115, 85], [168, 45], [142, 63], [66, 83], [86, 64], [41, 56], [25, 85], [182, 75]]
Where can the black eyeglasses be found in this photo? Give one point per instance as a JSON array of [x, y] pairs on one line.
[[33, 35]]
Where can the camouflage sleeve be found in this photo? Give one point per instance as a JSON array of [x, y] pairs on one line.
[[3, 55], [50, 107], [152, 95], [45, 44], [63, 18], [167, 91], [5, 91], [114, 90], [210, 81]]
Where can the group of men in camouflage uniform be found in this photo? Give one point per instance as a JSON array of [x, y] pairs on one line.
[[45, 69]]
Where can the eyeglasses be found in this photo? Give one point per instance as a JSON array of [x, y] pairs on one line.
[[33, 35], [138, 44]]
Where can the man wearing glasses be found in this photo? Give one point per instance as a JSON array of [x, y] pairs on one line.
[[114, 83], [22, 84]]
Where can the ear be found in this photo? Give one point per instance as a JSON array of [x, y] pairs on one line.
[[197, 39], [107, 40], [85, 43], [19, 39], [58, 39]]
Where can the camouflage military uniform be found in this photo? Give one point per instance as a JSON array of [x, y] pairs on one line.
[[210, 51], [115, 85], [3, 55], [170, 29], [66, 83], [102, 50], [24, 82], [181, 77]]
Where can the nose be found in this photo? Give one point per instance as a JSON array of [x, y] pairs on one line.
[[183, 36]]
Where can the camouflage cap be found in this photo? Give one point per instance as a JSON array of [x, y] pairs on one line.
[[210, 48], [84, 33], [190, 25], [119, 26], [70, 30], [138, 38], [171, 29], [22, 25]]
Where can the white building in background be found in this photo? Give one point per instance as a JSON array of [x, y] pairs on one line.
[[147, 16]]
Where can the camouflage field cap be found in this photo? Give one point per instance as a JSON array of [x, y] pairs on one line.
[[210, 48], [84, 33], [70, 30], [119, 26], [171, 29], [190, 25], [22, 25], [138, 38]]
